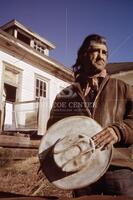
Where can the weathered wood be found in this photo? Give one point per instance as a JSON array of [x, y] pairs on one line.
[[18, 141], [17, 153]]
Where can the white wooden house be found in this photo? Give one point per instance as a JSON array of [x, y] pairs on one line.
[[28, 76]]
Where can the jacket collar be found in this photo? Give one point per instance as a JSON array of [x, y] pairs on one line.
[[78, 89]]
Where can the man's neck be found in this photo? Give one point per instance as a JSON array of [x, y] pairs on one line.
[[103, 74], [94, 82]]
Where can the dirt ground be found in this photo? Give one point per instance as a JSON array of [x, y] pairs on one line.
[[22, 177]]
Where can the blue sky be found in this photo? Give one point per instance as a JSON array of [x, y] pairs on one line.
[[67, 22]]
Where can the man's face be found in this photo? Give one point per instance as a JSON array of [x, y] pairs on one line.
[[96, 58]]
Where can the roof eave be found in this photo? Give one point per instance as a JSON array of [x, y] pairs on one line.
[[54, 66], [30, 32]]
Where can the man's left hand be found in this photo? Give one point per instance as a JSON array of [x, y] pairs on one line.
[[105, 138]]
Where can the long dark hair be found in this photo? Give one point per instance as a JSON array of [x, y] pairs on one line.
[[78, 66]]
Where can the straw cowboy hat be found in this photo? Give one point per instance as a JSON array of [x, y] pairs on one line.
[[68, 156]]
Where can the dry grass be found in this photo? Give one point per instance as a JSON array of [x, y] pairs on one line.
[[21, 177]]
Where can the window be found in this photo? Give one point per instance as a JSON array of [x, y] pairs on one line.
[[12, 82], [41, 87], [39, 47], [10, 92], [23, 38]]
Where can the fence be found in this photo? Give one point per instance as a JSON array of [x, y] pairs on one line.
[[21, 116], [27, 116]]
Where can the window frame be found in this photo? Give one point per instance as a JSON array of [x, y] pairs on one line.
[[46, 90]]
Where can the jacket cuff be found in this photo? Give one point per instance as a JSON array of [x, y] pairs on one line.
[[117, 131]]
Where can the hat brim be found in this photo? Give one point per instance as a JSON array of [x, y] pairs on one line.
[[87, 175]]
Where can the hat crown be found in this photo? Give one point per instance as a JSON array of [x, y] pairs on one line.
[[73, 152]]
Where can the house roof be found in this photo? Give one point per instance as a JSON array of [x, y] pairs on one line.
[[22, 50], [114, 68], [14, 22]]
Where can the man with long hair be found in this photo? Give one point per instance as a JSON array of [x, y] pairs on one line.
[[108, 101]]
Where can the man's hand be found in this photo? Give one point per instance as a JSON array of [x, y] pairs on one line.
[[106, 138]]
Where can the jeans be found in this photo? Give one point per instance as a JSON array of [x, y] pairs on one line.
[[116, 181]]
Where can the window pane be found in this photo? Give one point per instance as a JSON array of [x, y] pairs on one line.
[[41, 92], [41, 85], [40, 88], [37, 94], [37, 83], [44, 86], [44, 94]]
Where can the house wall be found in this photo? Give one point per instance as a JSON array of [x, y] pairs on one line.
[[28, 73]]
